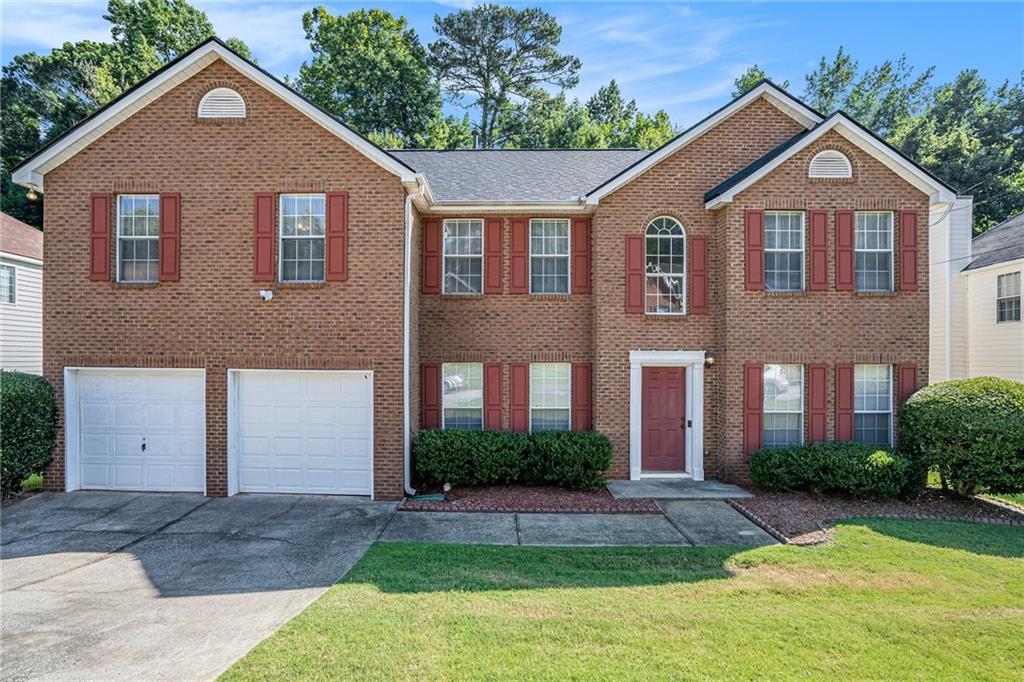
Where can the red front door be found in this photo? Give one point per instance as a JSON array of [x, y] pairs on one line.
[[663, 420]]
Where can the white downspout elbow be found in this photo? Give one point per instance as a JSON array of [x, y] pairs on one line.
[[406, 336]]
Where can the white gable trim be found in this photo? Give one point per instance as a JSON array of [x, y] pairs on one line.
[[936, 191], [31, 174], [804, 115]]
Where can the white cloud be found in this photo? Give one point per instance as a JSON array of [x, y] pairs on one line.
[[45, 25]]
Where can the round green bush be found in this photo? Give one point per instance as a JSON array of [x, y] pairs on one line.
[[970, 430], [28, 427], [465, 457], [832, 467], [572, 459]]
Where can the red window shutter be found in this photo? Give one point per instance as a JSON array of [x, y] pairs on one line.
[[494, 230], [844, 402], [698, 276], [519, 397], [580, 255], [582, 411], [431, 256], [753, 220], [430, 402], [336, 269], [99, 238], [519, 255], [492, 396], [819, 250], [816, 403], [635, 273], [264, 237], [844, 251], [170, 237], [908, 250], [753, 408], [908, 381]]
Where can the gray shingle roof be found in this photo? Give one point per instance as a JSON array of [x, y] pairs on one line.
[[516, 175], [1001, 244]]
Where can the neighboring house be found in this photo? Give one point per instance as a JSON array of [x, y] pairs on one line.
[[21, 296], [976, 304], [244, 295]]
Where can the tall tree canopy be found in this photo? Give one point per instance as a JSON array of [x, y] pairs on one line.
[[750, 78]]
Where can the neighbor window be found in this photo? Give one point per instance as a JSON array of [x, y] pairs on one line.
[[303, 230], [462, 391], [873, 244], [1008, 297], [665, 267], [783, 405], [8, 281], [550, 406], [463, 256], [872, 404], [549, 256], [138, 238], [784, 250]]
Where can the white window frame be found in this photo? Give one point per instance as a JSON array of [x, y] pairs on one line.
[[891, 400], [444, 409], [891, 250], [802, 250], [281, 237], [530, 392], [684, 277], [12, 292], [445, 256], [800, 414], [1019, 296], [567, 256], [118, 238]]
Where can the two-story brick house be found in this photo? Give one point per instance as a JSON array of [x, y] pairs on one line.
[[244, 295]]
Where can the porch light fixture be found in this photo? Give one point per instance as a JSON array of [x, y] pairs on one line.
[[709, 358], [31, 195]]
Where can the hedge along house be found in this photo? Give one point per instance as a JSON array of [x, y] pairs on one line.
[[244, 295]]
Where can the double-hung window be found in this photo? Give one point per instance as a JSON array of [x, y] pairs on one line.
[[549, 256], [873, 250], [463, 256], [550, 400], [783, 405], [8, 284], [872, 404], [138, 238], [462, 395], [303, 233], [1008, 297], [784, 250]]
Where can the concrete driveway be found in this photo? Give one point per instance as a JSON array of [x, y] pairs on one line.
[[164, 586]]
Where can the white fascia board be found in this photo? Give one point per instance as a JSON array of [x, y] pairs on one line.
[[994, 266], [19, 258], [506, 207]]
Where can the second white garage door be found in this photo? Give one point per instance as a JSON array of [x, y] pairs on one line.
[[304, 432]]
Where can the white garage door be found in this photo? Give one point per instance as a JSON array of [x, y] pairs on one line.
[[305, 432], [142, 430]]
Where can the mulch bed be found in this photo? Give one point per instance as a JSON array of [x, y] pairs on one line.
[[802, 518], [514, 498]]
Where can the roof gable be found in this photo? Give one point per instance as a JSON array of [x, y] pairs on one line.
[[20, 239]]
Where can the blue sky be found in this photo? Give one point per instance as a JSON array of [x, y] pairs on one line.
[[681, 57]]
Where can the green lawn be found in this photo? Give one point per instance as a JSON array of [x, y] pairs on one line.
[[886, 599], [1017, 499]]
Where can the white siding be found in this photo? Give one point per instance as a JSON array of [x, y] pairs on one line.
[[21, 323], [949, 251], [995, 348]]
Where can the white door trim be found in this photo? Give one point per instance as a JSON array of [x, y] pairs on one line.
[[693, 362], [73, 424]]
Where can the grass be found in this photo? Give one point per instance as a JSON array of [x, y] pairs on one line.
[[33, 482], [1017, 499], [886, 599]]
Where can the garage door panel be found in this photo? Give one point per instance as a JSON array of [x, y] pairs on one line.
[[287, 415], [128, 476], [285, 446]]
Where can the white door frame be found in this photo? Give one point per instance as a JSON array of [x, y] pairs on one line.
[[693, 362], [233, 374], [73, 423]]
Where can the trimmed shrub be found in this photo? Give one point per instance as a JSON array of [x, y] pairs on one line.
[[571, 459], [28, 427], [832, 467], [970, 430]]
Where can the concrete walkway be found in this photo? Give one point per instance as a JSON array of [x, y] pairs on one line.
[[676, 489]]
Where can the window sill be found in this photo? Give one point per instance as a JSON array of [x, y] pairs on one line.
[[463, 297], [800, 292], [551, 297], [297, 285], [137, 285], [876, 294]]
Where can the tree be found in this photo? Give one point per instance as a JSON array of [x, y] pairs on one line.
[[499, 53], [826, 84], [749, 79]]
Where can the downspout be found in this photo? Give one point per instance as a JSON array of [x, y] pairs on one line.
[[406, 336]]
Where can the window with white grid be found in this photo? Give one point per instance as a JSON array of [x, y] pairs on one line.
[[783, 405], [549, 256], [303, 233], [1008, 297], [873, 248], [463, 256], [872, 404], [138, 238], [784, 250], [550, 402], [665, 267], [462, 395], [8, 284]]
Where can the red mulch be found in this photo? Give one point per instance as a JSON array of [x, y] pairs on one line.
[[515, 498], [802, 518]]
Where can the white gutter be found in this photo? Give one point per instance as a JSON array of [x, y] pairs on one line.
[[406, 335]]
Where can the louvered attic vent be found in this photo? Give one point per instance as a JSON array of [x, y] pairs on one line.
[[222, 103], [830, 164]]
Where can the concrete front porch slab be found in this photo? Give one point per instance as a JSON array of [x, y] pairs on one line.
[[474, 528], [714, 522], [598, 530], [676, 489]]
